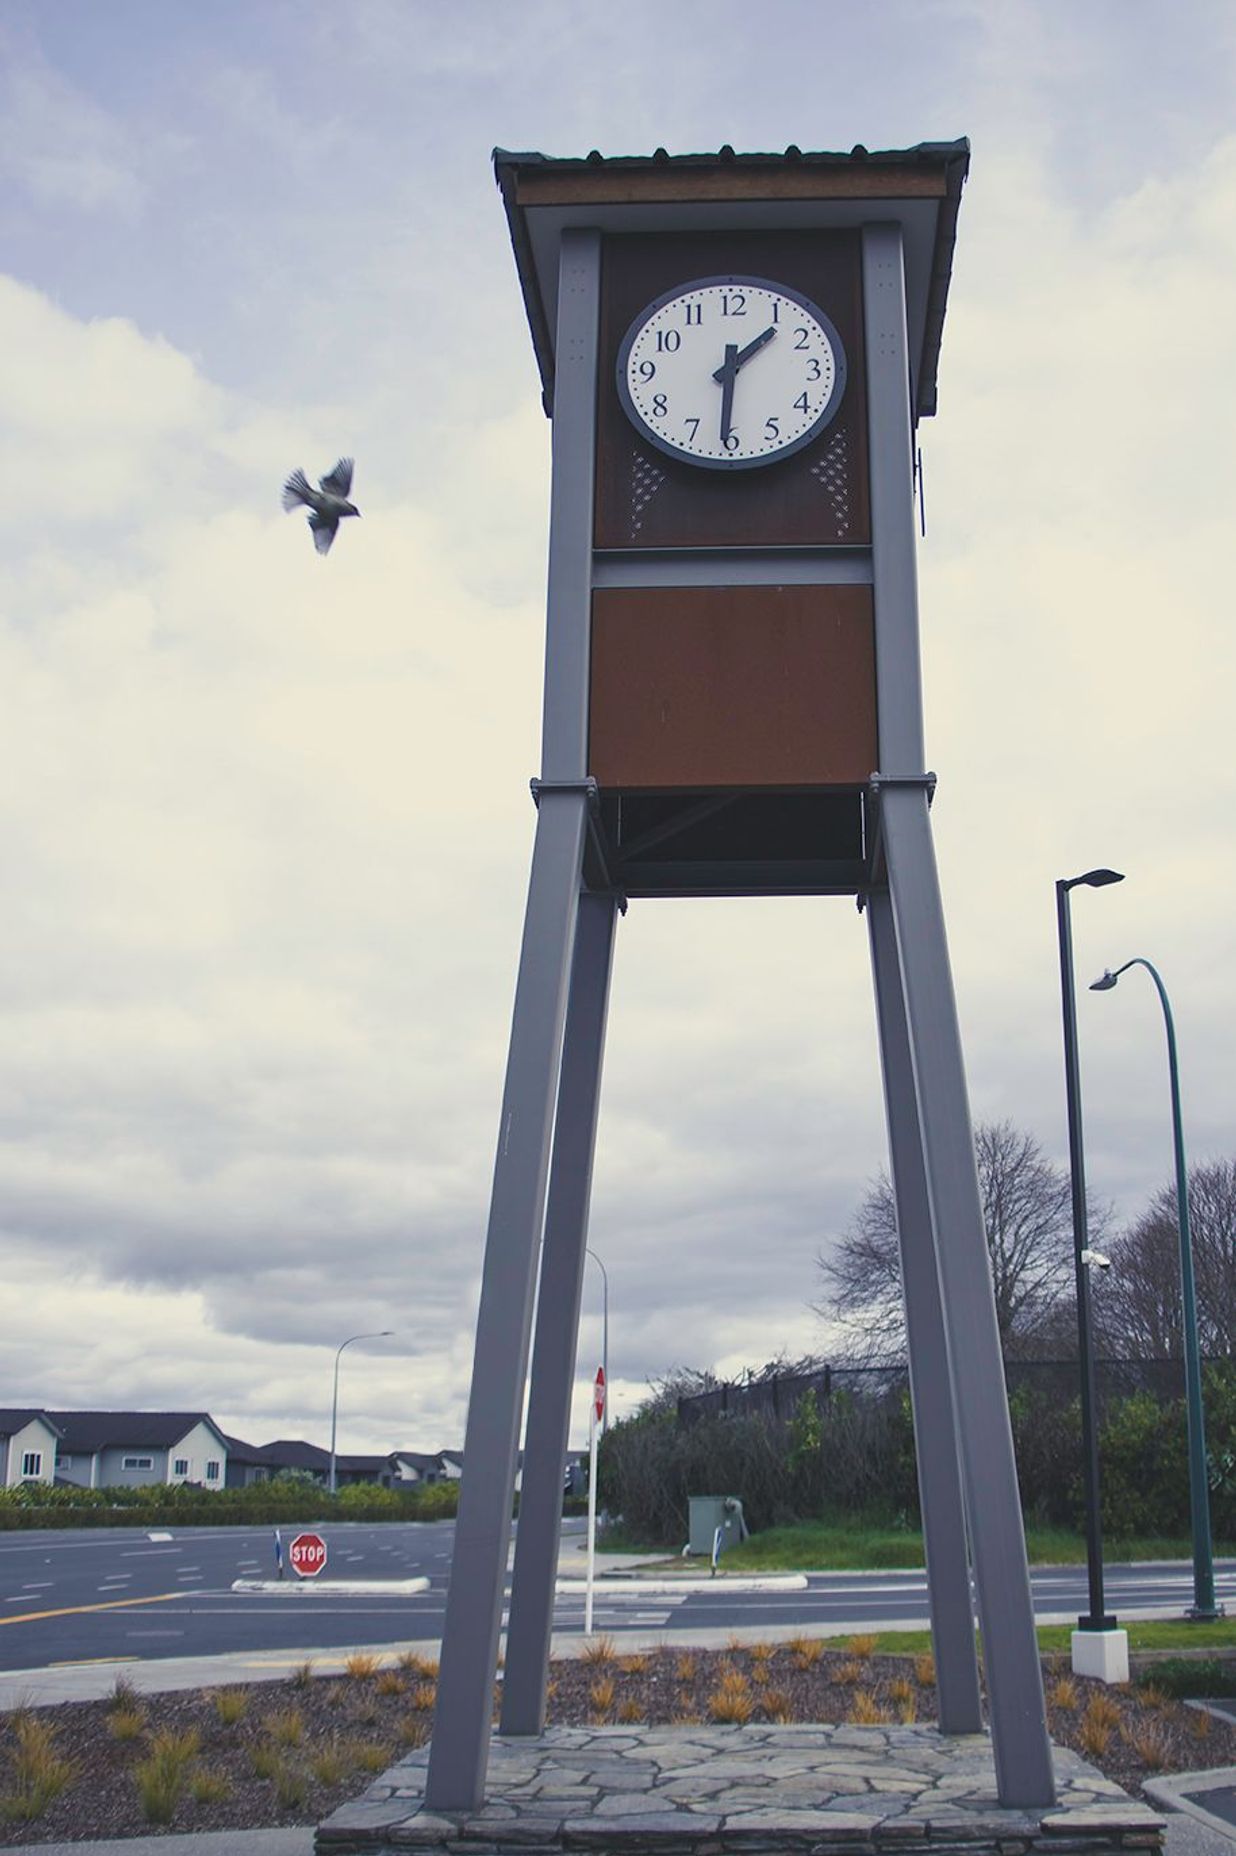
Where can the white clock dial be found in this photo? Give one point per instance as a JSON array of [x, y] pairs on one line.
[[731, 372]]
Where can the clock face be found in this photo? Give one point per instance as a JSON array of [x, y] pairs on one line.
[[731, 372]]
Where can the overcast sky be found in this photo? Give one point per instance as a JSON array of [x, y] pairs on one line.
[[264, 818]]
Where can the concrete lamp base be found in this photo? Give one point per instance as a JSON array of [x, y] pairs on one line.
[[1103, 1654]]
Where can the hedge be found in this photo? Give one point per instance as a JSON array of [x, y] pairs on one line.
[[264, 1504]]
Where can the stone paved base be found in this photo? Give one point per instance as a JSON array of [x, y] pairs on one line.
[[708, 1791]]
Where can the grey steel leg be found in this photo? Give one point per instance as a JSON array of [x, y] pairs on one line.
[[459, 1753], [935, 1428], [1002, 1581], [557, 1322]]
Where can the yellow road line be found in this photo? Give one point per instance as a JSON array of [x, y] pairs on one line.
[[73, 1611], [88, 1662]]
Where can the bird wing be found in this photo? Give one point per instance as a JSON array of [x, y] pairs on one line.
[[324, 529], [338, 482], [296, 490]]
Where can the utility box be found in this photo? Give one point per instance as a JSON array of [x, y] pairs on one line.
[[707, 1514]]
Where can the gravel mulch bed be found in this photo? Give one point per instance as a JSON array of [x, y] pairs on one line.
[[291, 1752]]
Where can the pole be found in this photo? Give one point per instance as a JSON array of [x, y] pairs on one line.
[[604, 1335], [592, 1515], [1204, 1608], [381, 1334], [1096, 1618]]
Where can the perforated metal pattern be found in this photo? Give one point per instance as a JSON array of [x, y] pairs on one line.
[[832, 473], [646, 479]]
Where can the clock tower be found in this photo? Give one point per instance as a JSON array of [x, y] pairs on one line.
[[735, 351]]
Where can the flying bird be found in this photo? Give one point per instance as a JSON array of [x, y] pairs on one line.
[[327, 505]]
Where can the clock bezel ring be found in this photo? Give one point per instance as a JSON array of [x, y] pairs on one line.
[[828, 411]]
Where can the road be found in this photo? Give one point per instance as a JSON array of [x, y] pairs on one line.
[[108, 1593]]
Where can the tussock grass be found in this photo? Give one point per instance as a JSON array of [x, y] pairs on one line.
[[865, 1711], [1062, 1693], [732, 1700], [230, 1705], [361, 1665], [599, 1651], [161, 1777], [285, 1728], [38, 1773], [207, 1786]]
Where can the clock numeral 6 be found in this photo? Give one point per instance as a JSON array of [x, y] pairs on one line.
[[669, 341], [731, 440]]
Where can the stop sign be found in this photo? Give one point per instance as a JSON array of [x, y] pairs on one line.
[[307, 1555]]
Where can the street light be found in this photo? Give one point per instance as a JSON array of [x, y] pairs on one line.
[[1203, 1607], [604, 1335], [381, 1334], [1097, 1618]]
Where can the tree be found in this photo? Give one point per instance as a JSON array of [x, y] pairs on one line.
[[1141, 1309], [1027, 1215]]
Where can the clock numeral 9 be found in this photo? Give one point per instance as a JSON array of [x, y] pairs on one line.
[[669, 341], [660, 406], [647, 370], [733, 303]]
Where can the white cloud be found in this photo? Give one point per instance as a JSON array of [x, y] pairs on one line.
[[265, 820]]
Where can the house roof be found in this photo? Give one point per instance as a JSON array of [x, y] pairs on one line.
[[16, 1418], [451, 1456], [290, 1453], [89, 1431], [920, 187], [417, 1458], [358, 1464]]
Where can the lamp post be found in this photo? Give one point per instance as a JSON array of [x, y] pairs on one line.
[[381, 1334], [1097, 1618], [604, 1334], [1203, 1608]]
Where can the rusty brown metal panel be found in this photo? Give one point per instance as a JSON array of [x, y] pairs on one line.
[[816, 498], [755, 686], [649, 186]]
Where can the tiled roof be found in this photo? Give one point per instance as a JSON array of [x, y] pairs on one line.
[[150, 1430], [17, 1418]]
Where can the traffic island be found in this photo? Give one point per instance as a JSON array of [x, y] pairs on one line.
[[688, 1791]]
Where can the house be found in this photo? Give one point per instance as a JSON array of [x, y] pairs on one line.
[[412, 1468], [29, 1442], [132, 1449], [286, 1456], [452, 1464]]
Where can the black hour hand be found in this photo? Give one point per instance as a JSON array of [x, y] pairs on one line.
[[734, 359]]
